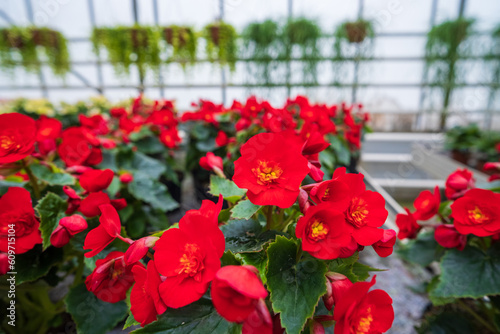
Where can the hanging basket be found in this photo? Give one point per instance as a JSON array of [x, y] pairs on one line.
[[356, 31], [215, 34]]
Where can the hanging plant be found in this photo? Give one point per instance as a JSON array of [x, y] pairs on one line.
[[261, 45], [125, 46], [28, 44], [183, 42], [305, 35], [446, 44], [221, 43], [353, 39]]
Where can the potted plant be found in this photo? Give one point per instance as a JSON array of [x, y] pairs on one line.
[[31, 43], [221, 43], [303, 34], [353, 39], [486, 148], [460, 140], [451, 237], [183, 41], [446, 44], [261, 46], [125, 46]]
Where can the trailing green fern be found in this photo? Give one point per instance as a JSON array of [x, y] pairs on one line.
[[445, 46], [28, 45], [183, 42], [262, 45], [304, 34], [125, 46], [221, 43]]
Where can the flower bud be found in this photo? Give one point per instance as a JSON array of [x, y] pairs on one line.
[[336, 285]]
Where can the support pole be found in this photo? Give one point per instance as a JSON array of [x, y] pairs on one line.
[[160, 75], [41, 77], [100, 81], [222, 69]]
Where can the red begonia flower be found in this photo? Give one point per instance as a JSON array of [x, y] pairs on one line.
[[384, 247], [366, 213], [79, 147], [221, 139], [323, 231], [211, 162], [272, 168], [73, 200], [67, 228], [360, 311], [111, 278], [97, 124], [190, 255], [108, 229], [407, 224], [139, 249], [145, 299], [492, 166], [332, 191], [350, 249], [336, 285], [17, 137], [477, 212], [427, 204], [170, 138], [89, 206], [48, 128], [16, 209], [162, 117], [242, 124], [118, 112], [95, 180], [236, 291], [126, 178], [260, 321], [458, 183], [448, 237]]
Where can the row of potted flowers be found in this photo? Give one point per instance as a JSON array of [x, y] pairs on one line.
[[279, 236]]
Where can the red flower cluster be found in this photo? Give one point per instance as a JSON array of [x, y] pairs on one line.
[[473, 211], [342, 217], [94, 182], [160, 117]]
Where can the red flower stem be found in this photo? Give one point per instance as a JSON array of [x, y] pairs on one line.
[[127, 240], [33, 179]]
